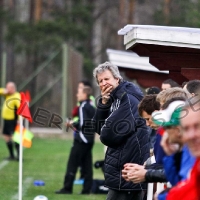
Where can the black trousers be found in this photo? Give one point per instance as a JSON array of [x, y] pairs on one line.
[[80, 154], [122, 195]]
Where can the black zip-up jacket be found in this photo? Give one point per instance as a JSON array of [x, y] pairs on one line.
[[155, 173], [125, 134], [85, 132]]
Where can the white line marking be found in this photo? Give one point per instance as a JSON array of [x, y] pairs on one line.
[[3, 164], [26, 184]]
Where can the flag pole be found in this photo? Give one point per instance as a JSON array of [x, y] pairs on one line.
[[22, 111], [20, 156]]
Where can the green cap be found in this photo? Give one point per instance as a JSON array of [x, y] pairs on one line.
[[169, 116]]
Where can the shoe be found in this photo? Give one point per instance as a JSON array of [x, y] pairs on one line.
[[63, 191], [10, 158]]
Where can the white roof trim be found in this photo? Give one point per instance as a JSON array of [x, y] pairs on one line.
[[161, 35], [131, 60]]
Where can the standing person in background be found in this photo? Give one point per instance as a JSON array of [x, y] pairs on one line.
[[169, 83], [9, 115], [75, 117], [81, 151], [121, 129]]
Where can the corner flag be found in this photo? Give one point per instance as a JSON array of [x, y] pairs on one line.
[[23, 109]]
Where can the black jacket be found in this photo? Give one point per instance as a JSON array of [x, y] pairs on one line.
[[84, 130], [155, 173], [125, 134]]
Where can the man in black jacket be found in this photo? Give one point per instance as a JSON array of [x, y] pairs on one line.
[[121, 129], [81, 151]]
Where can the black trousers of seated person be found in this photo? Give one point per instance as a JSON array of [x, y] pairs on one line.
[[125, 195], [80, 154]]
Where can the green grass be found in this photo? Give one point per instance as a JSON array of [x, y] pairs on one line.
[[45, 160]]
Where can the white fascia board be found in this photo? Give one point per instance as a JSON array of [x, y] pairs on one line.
[[161, 35], [131, 60]]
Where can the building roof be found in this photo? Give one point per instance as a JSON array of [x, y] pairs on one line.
[[176, 49], [128, 59], [162, 35]]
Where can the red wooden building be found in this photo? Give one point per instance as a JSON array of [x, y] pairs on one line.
[[175, 49]]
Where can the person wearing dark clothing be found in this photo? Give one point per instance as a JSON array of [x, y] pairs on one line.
[[159, 153], [155, 173], [121, 129], [81, 151], [145, 108], [152, 137], [149, 172], [75, 116]]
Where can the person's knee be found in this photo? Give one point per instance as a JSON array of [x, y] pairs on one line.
[[7, 138]]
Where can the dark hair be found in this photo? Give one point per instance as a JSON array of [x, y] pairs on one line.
[[153, 90], [193, 86], [148, 104], [171, 82], [86, 83]]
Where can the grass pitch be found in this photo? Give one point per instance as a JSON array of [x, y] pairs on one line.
[[46, 160]]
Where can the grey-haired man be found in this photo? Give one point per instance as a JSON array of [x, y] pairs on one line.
[[121, 129]]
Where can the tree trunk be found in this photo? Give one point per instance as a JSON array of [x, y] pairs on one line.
[[167, 11], [1, 32], [38, 10], [131, 11]]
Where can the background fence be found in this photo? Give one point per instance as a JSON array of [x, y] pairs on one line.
[[52, 84]]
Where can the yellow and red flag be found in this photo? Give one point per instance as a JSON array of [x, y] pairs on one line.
[[27, 137], [24, 111]]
